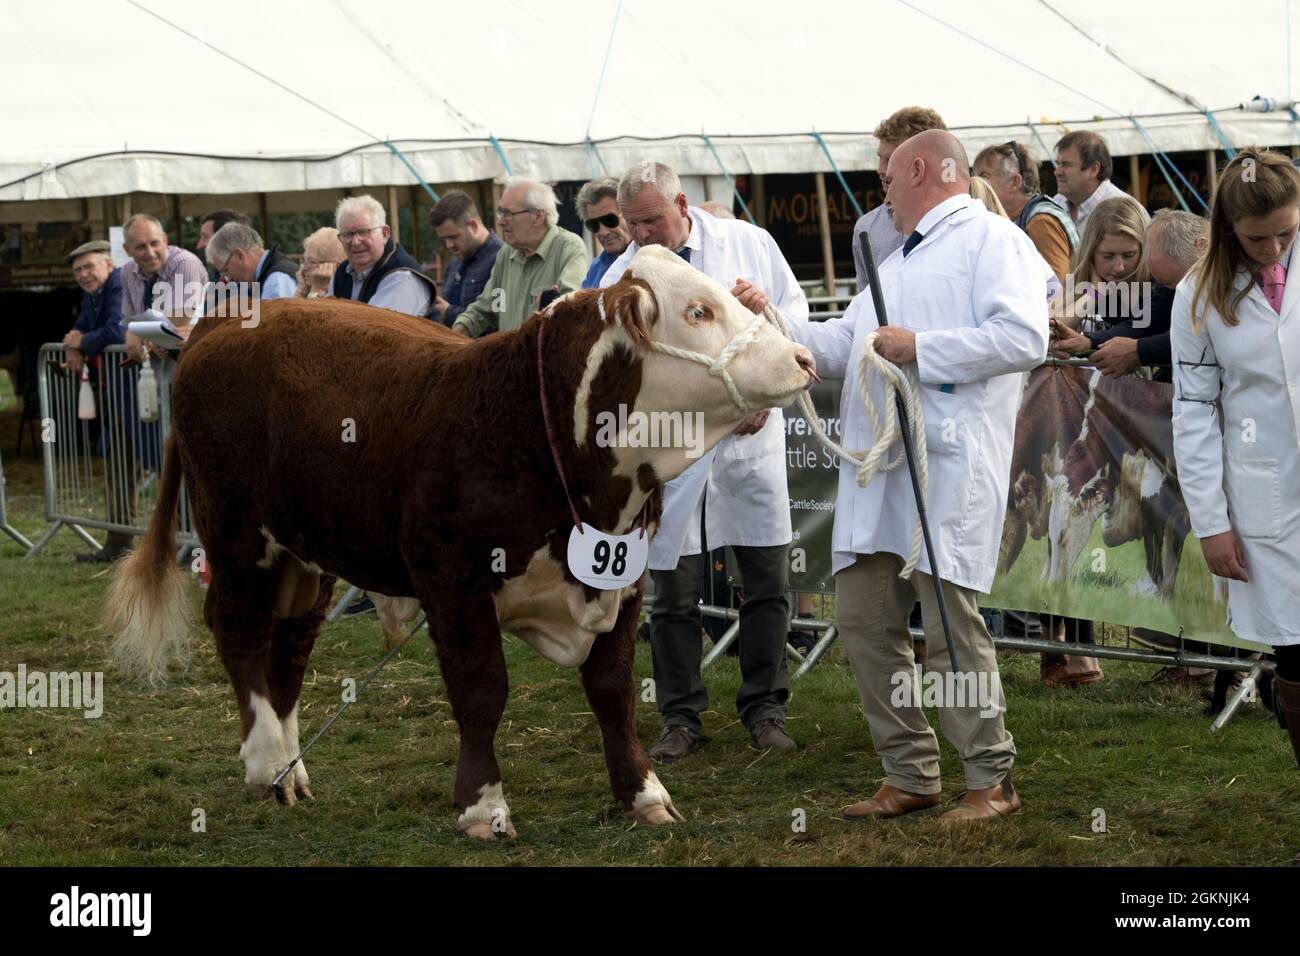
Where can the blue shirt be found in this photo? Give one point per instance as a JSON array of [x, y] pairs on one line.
[[100, 321], [597, 271], [278, 285], [466, 280]]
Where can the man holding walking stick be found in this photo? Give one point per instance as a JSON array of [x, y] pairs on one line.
[[966, 304]]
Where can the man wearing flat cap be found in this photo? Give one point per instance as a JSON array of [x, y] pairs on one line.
[[98, 326]]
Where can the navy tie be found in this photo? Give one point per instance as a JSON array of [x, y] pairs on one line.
[[685, 253], [913, 241]]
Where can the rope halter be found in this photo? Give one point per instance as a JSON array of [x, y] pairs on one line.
[[717, 366]]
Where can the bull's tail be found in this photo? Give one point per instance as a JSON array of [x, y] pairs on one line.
[[148, 611]]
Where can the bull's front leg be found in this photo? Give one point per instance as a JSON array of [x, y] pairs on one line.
[[608, 680], [473, 667]]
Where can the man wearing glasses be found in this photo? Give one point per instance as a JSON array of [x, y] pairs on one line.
[[1014, 177], [542, 258], [597, 204], [238, 253], [379, 271]]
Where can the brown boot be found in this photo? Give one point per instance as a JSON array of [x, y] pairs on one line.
[[892, 802], [1288, 700], [675, 743], [979, 805], [770, 734], [1065, 670]]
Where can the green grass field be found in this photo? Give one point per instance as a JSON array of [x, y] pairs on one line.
[[123, 789]]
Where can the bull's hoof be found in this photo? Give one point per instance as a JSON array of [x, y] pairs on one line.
[[488, 832], [652, 805], [656, 814]]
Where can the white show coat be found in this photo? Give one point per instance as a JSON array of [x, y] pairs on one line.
[[974, 292], [743, 476], [1245, 477]]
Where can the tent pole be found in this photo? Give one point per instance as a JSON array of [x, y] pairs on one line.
[[824, 225], [1135, 180], [1211, 171], [415, 221], [758, 197], [264, 217], [394, 215]]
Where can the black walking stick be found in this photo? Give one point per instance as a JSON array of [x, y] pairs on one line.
[[878, 299]]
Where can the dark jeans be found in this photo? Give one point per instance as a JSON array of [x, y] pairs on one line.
[[677, 646]]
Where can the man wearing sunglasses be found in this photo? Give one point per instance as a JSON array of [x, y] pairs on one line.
[[542, 258], [597, 204]]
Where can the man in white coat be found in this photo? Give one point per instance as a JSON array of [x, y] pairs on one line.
[[737, 491], [967, 307]]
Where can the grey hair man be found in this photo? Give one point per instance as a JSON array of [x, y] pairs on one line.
[[597, 204], [735, 496], [378, 271], [238, 253], [541, 258]]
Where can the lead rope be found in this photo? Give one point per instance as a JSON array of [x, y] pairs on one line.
[[874, 460]]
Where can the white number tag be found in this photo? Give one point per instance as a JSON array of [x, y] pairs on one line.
[[608, 562]]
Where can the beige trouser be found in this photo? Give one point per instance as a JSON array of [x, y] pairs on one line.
[[872, 607]]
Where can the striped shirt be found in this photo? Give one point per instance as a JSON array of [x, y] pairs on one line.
[[183, 275]]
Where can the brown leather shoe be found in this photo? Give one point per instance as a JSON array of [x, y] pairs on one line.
[[892, 802], [770, 734], [675, 743], [1070, 670], [987, 804]]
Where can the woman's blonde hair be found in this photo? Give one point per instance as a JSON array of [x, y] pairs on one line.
[[981, 190], [1256, 182], [324, 247], [1121, 216]]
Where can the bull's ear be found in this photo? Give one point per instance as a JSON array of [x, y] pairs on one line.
[[634, 308]]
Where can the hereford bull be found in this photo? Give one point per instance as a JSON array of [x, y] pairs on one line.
[[449, 492], [1121, 469]]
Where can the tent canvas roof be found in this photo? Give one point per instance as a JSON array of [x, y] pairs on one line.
[[299, 95]]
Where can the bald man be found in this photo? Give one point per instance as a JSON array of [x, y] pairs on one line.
[[967, 304]]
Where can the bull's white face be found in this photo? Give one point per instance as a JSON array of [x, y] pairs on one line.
[[696, 313], [1070, 521]]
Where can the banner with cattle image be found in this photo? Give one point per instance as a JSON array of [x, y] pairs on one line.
[[1096, 527]]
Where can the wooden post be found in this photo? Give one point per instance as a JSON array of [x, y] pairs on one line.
[[415, 223], [1135, 180], [394, 214], [264, 217], [126, 206], [824, 223], [758, 199], [1211, 170]]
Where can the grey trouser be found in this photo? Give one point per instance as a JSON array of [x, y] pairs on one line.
[[871, 607], [677, 644]]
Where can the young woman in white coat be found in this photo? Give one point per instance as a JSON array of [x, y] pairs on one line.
[[1236, 349]]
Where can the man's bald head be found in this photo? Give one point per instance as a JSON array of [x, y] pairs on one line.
[[924, 171]]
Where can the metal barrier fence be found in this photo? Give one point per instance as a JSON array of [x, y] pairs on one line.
[[102, 472], [5, 526], [101, 462]]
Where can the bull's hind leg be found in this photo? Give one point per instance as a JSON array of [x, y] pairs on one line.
[[607, 678], [290, 650], [473, 666], [238, 609]]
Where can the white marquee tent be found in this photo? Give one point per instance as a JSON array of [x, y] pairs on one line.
[[105, 97]]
